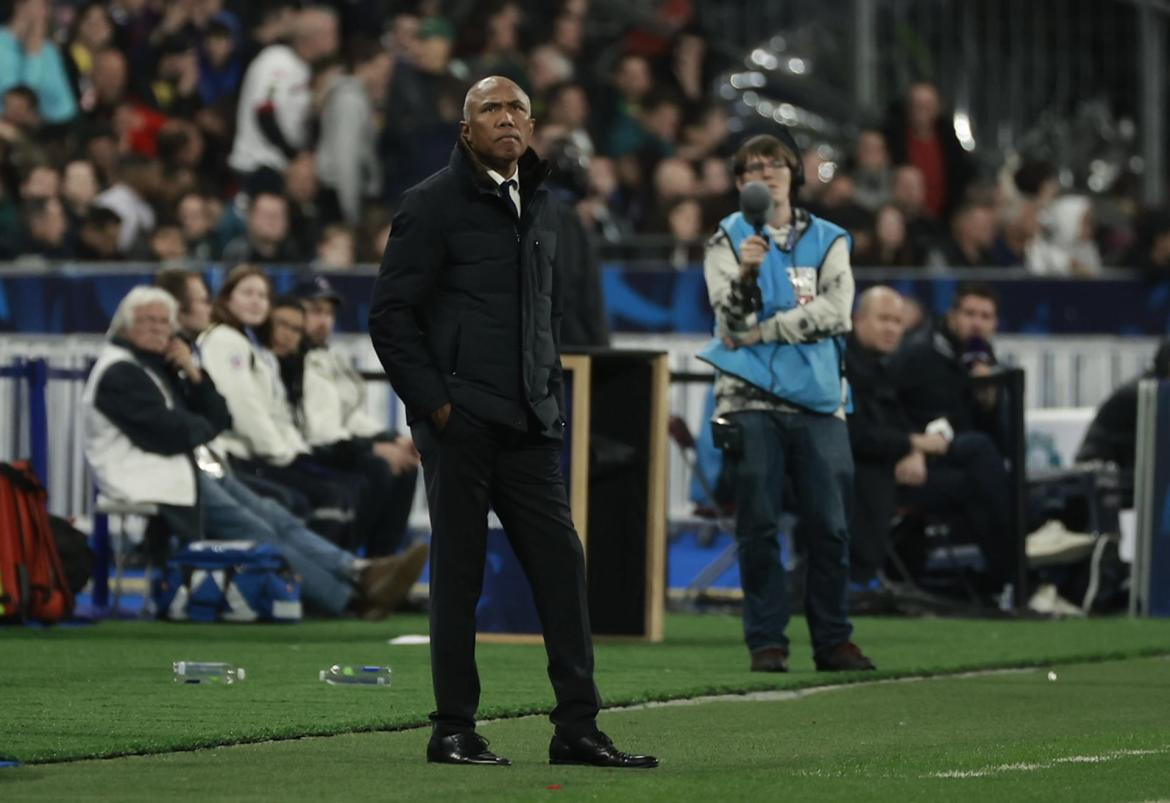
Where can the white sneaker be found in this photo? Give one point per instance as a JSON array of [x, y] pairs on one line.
[[1054, 543], [1047, 601]]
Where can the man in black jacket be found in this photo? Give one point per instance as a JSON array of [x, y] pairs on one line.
[[935, 377], [466, 320]]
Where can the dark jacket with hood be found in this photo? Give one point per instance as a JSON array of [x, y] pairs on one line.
[[467, 305]]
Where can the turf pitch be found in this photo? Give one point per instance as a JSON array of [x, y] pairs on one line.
[[1101, 731]]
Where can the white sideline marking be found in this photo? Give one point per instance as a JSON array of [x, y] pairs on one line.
[[999, 769]]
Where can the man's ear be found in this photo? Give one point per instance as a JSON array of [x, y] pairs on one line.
[[464, 131]]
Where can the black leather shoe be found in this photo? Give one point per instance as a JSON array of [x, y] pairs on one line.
[[845, 657], [463, 748], [596, 750]]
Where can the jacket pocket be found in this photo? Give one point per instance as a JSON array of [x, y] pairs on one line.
[[545, 247]]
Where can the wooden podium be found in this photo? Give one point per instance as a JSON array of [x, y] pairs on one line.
[[615, 466]]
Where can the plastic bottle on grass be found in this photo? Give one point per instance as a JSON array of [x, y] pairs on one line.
[[207, 672], [356, 675]]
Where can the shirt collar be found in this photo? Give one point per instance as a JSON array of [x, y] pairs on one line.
[[496, 177]]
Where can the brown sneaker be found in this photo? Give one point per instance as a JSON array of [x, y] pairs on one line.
[[770, 659], [384, 584], [846, 657]]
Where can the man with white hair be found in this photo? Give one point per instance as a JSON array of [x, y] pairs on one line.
[[149, 413], [272, 119]]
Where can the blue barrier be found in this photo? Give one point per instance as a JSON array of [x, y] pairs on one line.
[[72, 299], [35, 374]]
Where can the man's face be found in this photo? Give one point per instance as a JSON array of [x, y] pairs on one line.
[[150, 330], [909, 191], [21, 113], [923, 106], [195, 316], [268, 222], [499, 123], [772, 171], [320, 316], [974, 317], [50, 226], [288, 327], [879, 323]]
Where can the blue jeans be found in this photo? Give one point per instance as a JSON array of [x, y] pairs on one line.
[[814, 450], [233, 512]]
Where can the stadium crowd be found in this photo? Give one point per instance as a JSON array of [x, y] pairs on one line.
[[273, 132]]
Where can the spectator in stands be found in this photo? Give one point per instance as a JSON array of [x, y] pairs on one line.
[[336, 250], [1112, 435], [79, 189], [39, 180], [621, 107], [28, 56], [151, 413], [489, 41], [785, 419], [97, 240], [936, 377], [920, 134], [267, 238], [838, 203], [568, 106], [193, 300], [425, 106], [22, 111], [888, 243], [1018, 235], [110, 76], [1038, 181], [272, 121], [548, 67], [221, 63], [46, 228], [333, 417], [196, 223], [872, 172], [138, 184], [306, 218], [167, 246], [263, 439], [174, 89], [971, 240], [347, 150], [1068, 247], [909, 195], [92, 32]]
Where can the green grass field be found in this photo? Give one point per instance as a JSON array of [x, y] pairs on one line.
[[1101, 731]]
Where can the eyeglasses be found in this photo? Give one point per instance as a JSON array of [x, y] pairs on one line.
[[775, 165]]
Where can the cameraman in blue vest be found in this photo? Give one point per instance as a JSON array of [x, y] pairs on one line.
[[783, 294]]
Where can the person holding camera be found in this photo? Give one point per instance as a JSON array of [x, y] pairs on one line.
[[782, 290]]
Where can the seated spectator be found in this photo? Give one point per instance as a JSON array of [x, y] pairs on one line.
[[1068, 247], [46, 229], [306, 217], [935, 379], [28, 56], [221, 63], [139, 183], [150, 414], [97, 240], [267, 236], [889, 245], [79, 189], [1019, 234], [335, 251], [197, 225], [1151, 251], [871, 172], [908, 193], [22, 110], [1112, 435], [972, 236], [263, 440], [92, 32], [167, 245], [621, 106], [193, 300], [330, 403], [567, 105]]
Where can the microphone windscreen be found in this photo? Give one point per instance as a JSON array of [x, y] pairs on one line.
[[755, 202]]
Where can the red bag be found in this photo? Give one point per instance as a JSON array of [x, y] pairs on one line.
[[33, 584]]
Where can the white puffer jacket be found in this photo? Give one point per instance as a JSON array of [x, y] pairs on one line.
[[247, 377]]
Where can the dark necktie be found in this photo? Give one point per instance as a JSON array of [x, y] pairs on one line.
[[506, 194]]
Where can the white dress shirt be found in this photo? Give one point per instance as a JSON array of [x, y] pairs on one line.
[[514, 190]]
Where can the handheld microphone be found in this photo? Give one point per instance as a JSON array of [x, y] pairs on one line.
[[755, 202], [976, 350]]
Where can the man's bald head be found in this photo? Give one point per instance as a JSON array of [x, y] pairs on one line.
[[484, 86], [497, 123], [878, 321]]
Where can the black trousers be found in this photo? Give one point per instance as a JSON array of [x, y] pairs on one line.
[[383, 503], [469, 467], [970, 484]]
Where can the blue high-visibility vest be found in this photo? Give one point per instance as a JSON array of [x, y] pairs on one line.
[[806, 375]]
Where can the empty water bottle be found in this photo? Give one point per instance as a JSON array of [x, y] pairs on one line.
[[208, 672], [356, 675]]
